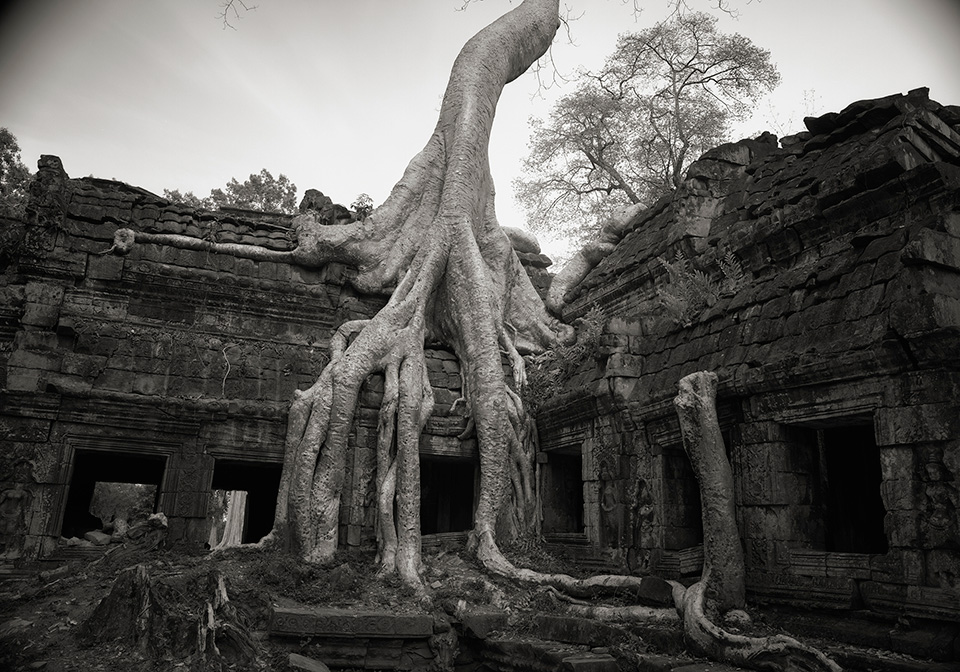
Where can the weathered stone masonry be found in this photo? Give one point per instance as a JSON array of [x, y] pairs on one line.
[[839, 362], [171, 367]]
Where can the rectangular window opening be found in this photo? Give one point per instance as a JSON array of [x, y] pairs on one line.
[[683, 518], [446, 495], [850, 478], [244, 501], [562, 493], [111, 490]]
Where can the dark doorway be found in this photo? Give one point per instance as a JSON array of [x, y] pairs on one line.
[[93, 466], [851, 477], [562, 494], [261, 482], [446, 495], [682, 515]]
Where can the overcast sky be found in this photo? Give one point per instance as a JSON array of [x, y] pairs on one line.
[[340, 94]]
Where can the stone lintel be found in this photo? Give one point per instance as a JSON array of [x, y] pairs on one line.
[[322, 621]]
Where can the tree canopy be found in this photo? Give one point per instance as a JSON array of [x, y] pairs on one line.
[[261, 191], [628, 132], [14, 176]]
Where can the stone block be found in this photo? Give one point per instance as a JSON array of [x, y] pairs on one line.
[[897, 462], [105, 267], [84, 366], [149, 384], [582, 631], [21, 379], [386, 654], [848, 565], [621, 364], [863, 302], [917, 424], [886, 267], [707, 667], [812, 591], [36, 340], [590, 662], [321, 621], [116, 379], [936, 248], [45, 293], [924, 313], [943, 570], [298, 662], [40, 315], [97, 538], [649, 662], [902, 528], [898, 494], [481, 623], [898, 566]]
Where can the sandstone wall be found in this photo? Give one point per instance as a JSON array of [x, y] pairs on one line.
[[174, 354], [847, 324]]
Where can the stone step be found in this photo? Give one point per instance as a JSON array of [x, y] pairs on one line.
[[70, 553], [348, 638], [11, 573], [328, 622], [537, 655], [855, 659]]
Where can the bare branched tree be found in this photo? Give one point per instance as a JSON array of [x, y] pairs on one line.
[[230, 10], [629, 131]]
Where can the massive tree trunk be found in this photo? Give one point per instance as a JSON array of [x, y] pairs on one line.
[[436, 249]]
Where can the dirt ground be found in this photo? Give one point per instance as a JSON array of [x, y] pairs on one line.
[[43, 612], [47, 614]]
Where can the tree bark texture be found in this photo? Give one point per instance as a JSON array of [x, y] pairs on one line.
[[722, 584], [723, 569]]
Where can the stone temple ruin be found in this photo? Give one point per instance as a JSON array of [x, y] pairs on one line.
[[829, 307]]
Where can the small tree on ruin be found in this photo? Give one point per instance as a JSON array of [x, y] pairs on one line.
[[14, 176], [628, 133], [260, 191]]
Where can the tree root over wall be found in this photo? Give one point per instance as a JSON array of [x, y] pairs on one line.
[[436, 249]]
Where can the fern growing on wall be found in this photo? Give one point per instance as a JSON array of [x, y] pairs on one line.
[[690, 291], [550, 370]]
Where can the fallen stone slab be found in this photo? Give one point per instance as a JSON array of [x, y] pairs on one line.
[[590, 662], [97, 537], [707, 667], [526, 654], [650, 662], [328, 622], [573, 630], [481, 623], [298, 662]]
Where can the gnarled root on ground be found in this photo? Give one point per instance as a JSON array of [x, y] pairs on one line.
[[722, 586]]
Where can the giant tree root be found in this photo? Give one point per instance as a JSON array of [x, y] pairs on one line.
[[436, 248]]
